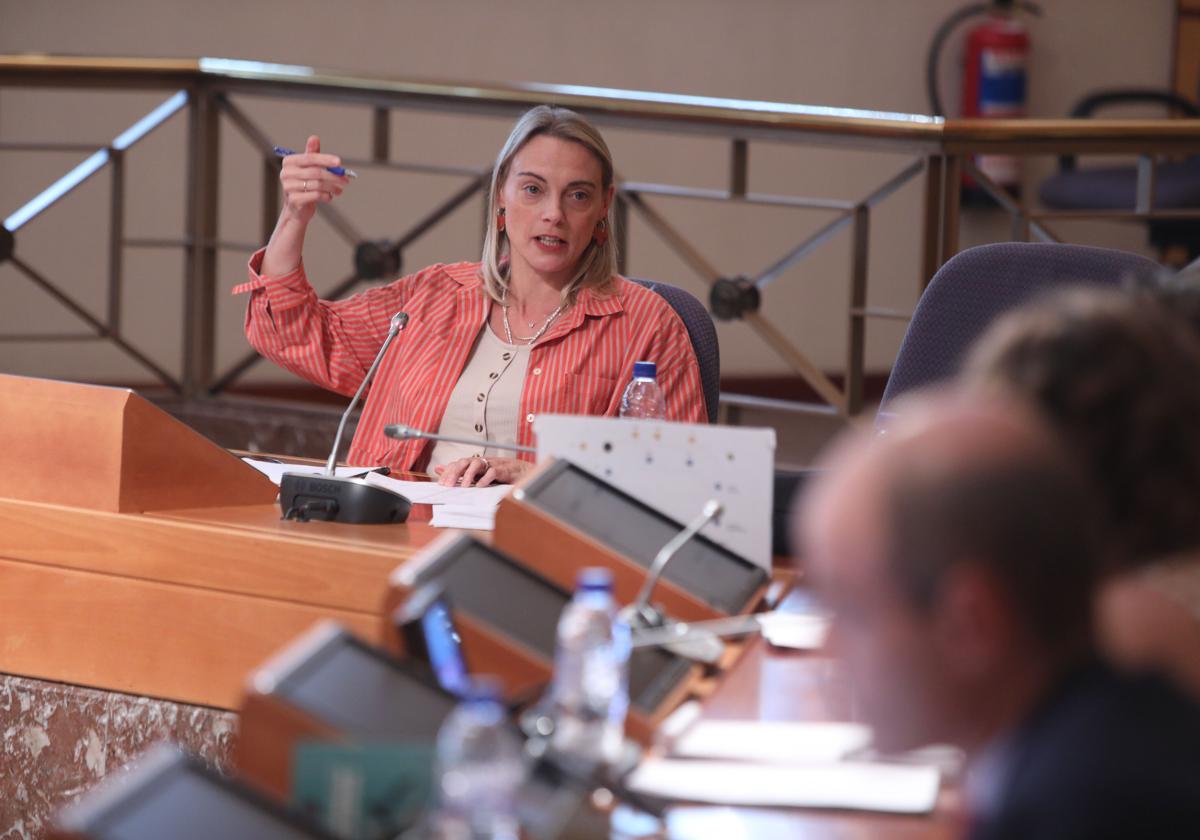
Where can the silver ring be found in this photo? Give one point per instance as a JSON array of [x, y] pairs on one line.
[[306, 186]]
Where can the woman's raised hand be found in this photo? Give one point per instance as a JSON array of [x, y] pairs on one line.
[[307, 182]]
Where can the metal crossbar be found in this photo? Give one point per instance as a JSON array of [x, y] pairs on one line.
[[206, 89]]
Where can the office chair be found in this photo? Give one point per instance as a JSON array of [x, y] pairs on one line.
[[979, 284], [1176, 187], [703, 335]]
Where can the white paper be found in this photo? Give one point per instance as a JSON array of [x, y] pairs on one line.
[[464, 516], [856, 785], [432, 493], [676, 468], [771, 741], [799, 631], [275, 471]]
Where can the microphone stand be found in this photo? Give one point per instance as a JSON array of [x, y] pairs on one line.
[[640, 615], [341, 499], [401, 432]]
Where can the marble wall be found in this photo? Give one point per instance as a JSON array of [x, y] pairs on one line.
[[57, 741]]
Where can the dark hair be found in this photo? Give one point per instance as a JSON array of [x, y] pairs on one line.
[[1025, 516], [1118, 377]]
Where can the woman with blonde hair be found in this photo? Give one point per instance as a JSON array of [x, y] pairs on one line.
[[541, 324]]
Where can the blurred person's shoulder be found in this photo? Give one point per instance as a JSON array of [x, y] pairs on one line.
[[1107, 755]]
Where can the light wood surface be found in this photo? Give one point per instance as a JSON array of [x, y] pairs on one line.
[[178, 604], [109, 449], [182, 643], [163, 584]]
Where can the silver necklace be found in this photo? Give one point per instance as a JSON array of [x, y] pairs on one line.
[[549, 320]]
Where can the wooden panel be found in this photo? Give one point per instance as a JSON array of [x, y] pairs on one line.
[[268, 732], [179, 643], [166, 464], [283, 566], [120, 452], [265, 519]]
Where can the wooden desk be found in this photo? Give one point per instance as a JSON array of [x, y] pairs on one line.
[[180, 604]]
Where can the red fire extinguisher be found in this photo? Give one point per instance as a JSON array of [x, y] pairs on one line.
[[995, 78]]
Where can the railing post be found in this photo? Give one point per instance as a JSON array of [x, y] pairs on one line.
[[943, 179], [951, 206], [381, 134], [116, 239], [199, 299], [270, 197], [855, 351], [935, 168], [739, 167], [621, 223]]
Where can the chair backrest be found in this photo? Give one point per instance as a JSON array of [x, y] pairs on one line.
[[977, 285], [703, 334]]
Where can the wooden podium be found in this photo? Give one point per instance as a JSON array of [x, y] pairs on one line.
[[137, 556], [108, 449]]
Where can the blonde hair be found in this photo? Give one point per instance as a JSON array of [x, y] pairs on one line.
[[598, 264]]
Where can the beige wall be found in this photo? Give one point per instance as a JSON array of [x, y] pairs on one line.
[[860, 53]]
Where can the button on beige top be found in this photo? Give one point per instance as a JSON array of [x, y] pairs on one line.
[[485, 402]]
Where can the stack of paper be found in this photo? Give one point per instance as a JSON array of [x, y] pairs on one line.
[[772, 741], [810, 765], [454, 507], [861, 786]]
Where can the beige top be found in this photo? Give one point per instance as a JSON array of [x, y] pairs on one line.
[[485, 402]]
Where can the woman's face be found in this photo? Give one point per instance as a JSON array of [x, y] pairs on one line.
[[552, 201]]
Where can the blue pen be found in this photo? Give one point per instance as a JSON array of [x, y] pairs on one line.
[[281, 151]]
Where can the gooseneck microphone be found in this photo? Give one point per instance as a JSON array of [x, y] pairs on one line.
[[333, 498], [640, 615], [401, 432], [398, 322]]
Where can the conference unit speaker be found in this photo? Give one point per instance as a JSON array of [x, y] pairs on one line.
[[507, 617], [329, 685], [561, 518], [167, 793]]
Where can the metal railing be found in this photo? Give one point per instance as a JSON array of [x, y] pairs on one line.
[[204, 90]]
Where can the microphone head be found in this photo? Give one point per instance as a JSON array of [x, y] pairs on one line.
[[398, 322], [713, 507], [399, 430]]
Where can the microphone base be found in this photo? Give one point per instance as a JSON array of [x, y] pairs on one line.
[[703, 648], [336, 499]]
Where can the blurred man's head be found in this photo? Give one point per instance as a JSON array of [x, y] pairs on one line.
[[958, 554], [1117, 376]]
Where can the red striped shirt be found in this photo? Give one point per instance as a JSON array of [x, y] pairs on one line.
[[580, 366]]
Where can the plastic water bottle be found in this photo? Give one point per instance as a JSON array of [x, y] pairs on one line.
[[643, 398], [479, 768], [590, 693]]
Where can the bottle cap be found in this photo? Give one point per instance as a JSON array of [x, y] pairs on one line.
[[594, 579], [645, 370]]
